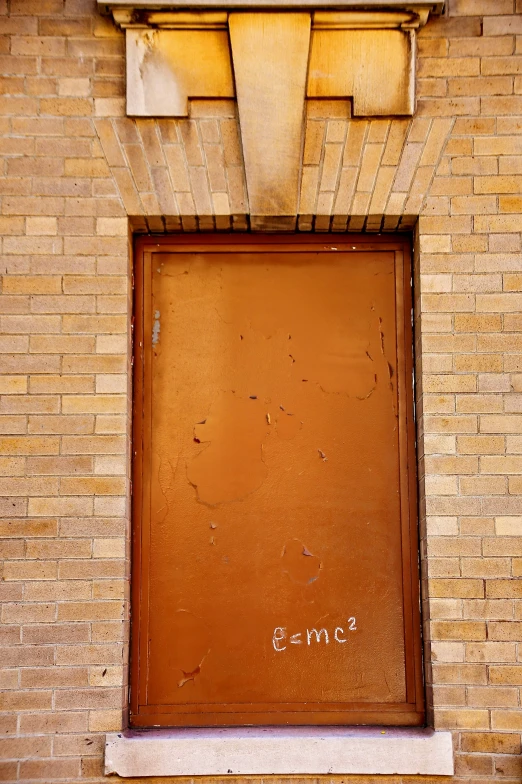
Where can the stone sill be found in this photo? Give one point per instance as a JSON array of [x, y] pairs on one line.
[[279, 751]]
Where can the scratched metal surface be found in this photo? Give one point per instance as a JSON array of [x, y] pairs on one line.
[[275, 570]]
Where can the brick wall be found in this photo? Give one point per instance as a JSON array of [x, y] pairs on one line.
[[76, 176]]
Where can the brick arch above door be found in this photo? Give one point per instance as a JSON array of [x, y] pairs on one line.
[[188, 174]]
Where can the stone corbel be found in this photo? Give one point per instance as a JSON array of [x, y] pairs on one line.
[[271, 61]]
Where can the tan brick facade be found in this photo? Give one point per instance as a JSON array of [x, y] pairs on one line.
[[77, 179]]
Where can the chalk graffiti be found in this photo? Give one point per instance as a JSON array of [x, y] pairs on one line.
[[312, 636]]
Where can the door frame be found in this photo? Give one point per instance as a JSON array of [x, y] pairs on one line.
[[411, 712]]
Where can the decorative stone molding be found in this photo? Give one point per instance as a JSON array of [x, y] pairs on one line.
[[271, 61], [167, 67]]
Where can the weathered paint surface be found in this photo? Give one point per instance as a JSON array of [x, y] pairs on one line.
[[275, 583]]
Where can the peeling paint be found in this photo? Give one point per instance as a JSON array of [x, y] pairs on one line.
[[189, 676], [287, 425], [156, 328], [299, 563], [230, 466]]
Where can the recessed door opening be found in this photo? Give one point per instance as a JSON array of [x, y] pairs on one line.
[[275, 525]]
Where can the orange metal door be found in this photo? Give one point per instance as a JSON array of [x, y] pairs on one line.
[[274, 573]]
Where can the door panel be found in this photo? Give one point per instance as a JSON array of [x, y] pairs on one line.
[[274, 564]]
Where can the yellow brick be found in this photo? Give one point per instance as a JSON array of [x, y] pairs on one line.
[[111, 344], [32, 284], [111, 384], [473, 205], [436, 283], [435, 322], [504, 589], [451, 465], [110, 507], [40, 225], [458, 630], [479, 404], [92, 485], [493, 742], [448, 343], [94, 404], [498, 223], [93, 445], [486, 567], [479, 363], [501, 465], [474, 165], [461, 719], [512, 363], [501, 424], [61, 344], [499, 343], [61, 424], [486, 697], [504, 630], [109, 548], [441, 526], [477, 526], [111, 424], [449, 302], [449, 546], [457, 588], [443, 66], [450, 383], [509, 203], [508, 526], [490, 652], [452, 424], [110, 464], [86, 167], [500, 675], [513, 322], [483, 485], [433, 243], [437, 363], [13, 385], [29, 445], [60, 507], [497, 184], [437, 444], [474, 243], [441, 485], [106, 721], [515, 485], [513, 282], [61, 384], [438, 404]]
